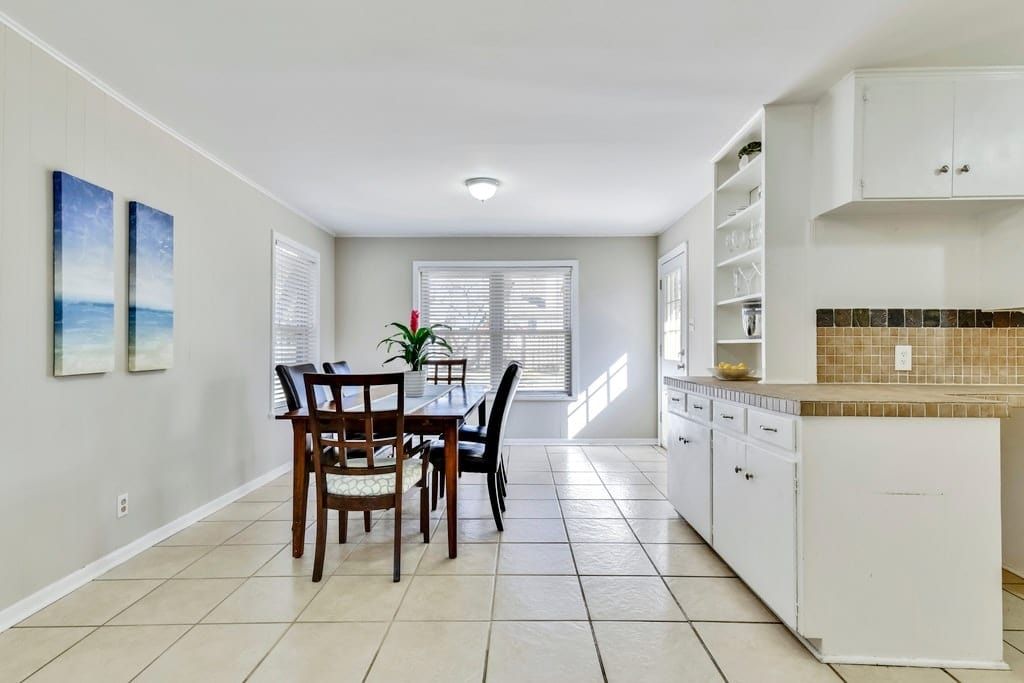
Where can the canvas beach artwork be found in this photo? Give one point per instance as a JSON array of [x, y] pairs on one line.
[[150, 288], [83, 277]]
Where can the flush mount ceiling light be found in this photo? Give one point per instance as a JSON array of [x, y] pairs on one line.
[[482, 188]]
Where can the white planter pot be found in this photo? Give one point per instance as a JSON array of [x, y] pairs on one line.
[[415, 382]]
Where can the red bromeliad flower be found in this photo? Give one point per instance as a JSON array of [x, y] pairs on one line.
[[414, 320]]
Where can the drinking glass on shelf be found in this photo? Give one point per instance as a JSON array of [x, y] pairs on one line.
[[730, 242], [742, 240], [749, 275], [737, 281]]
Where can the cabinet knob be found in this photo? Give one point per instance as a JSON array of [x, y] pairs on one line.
[[966, 168], [684, 440], [748, 476], [943, 169], [737, 469]]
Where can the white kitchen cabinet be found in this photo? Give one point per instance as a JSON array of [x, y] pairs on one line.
[[689, 472], [731, 512], [988, 138]]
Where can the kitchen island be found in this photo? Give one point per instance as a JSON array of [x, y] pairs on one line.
[[867, 517]]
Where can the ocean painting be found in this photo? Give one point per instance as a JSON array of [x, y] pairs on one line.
[[83, 277], [150, 288]]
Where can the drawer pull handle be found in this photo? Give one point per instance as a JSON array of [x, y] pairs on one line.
[[769, 429], [748, 476], [726, 417], [698, 407], [684, 440], [675, 400], [737, 469]]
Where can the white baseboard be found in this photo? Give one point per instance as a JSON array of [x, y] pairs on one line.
[[652, 441], [58, 589]]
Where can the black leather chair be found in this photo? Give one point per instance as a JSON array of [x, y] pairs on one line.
[[341, 367], [485, 458]]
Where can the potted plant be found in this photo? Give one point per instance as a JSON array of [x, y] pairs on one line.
[[417, 345], [748, 152]]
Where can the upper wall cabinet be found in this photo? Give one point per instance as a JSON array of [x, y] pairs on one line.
[[885, 136]]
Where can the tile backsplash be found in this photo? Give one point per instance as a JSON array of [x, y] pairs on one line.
[[950, 346]]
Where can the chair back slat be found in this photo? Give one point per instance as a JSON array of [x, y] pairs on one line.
[[448, 370]]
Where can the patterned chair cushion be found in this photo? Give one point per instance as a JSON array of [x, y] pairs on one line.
[[374, 484]]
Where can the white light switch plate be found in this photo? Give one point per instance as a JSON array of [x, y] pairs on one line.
[[904, 358]]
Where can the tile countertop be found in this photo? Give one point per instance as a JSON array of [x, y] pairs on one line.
[[862, 400]]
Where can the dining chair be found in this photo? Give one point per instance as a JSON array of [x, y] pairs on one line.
[[370, 470], [485, 458], [293, 383], [454, 370], [341, 367]]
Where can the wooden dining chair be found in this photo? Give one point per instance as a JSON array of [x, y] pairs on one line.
[[485, 458], [369, 471], [447, 370]]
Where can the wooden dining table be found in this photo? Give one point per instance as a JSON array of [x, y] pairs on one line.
[[441, 410]]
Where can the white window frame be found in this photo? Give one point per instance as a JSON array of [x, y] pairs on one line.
[[574, 314], [315, 256]]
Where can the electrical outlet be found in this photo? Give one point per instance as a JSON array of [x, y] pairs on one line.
[[904, 358], [122, 505]]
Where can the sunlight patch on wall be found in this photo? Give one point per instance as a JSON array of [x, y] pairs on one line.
[[607, 387]]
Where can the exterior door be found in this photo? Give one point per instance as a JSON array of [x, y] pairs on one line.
[[673, 323], [988, 146]]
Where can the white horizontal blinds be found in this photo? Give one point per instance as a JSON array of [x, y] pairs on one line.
[[296, 311], [503, 313]]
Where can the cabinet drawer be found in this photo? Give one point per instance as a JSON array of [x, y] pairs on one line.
[[771, 428], [729, 416], [676, 402], [698, 407]]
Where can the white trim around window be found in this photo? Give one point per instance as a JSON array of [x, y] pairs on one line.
[[572, 265], [295, 274]]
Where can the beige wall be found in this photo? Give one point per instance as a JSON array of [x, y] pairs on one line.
[[617, 317], [696, 230], [172, 440]]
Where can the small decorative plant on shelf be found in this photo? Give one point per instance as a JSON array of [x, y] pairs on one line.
[[748, 152], [417, 345]]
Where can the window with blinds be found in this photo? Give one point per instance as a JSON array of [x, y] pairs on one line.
[[295, 333], [503, 312]]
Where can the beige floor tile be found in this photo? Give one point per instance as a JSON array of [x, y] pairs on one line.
[[890, 674], [664, 531], [612, 559], [1013, 612], [206, 533], [474, 558], [535, 558], [266, 533], [562, 449], [550, 598], [1010, 577], [470, 531], [745, 652], [92, 604], [455, 651], [356, 598], [534, 531], [582, 492], [530, 478], [642, 453], [283, 564], [268, 494], [541, 651], [529, 465], [665, 652], [529, 509], [383, 531], [379, 558], [635, 492], [600, 452], [717, 599], [110, 653], [674, 559], [229, 561], [242, 512], [264, 599], [623, 465], [625, 598], [283, 512], [158, 562], [577, 478], [599, 531], [310, 652], [530, 491], [570, 463], [1013, 657], [590, 509], [654, 466], [647, 509], [472, 492], [178, 601], [447, 598], [24, 650], [624, 478], [214, 652]]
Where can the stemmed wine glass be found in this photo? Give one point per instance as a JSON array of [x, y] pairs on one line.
[[749, 276]]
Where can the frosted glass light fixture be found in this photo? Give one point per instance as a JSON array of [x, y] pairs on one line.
[[482, 188]]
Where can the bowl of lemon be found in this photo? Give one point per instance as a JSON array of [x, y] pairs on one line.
[[731, 371]]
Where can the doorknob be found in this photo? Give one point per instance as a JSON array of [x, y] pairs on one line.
[[966, 168]]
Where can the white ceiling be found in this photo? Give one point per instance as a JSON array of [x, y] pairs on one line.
[[599, 117]]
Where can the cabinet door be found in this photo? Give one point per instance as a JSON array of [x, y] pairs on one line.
[[771, 491], [988, 142], [731, 532], [689, 480], [907, 139]]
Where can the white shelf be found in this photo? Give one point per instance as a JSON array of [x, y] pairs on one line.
[[753, 340], [740, 299], [745, 213], [739, 258], [746, 179]]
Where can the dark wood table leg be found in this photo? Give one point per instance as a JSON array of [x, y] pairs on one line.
[[300, 487], [451, 483]]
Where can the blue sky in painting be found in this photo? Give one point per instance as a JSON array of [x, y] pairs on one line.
[[153, 253], [85, 243]]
